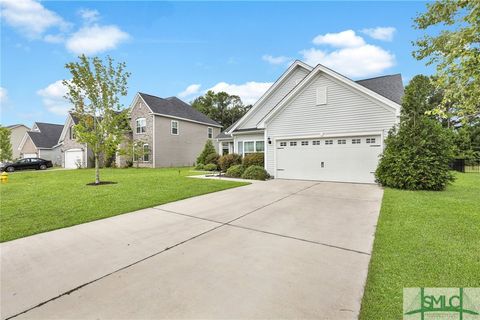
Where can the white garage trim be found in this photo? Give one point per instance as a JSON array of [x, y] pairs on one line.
[[30, 155]]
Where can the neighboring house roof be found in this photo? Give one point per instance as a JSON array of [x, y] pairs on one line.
[[13, 126], [48, 135], [389, 86], [176, 108], [224, 135]]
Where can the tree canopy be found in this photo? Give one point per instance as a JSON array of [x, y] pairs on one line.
[[455, 51], [224, 108]]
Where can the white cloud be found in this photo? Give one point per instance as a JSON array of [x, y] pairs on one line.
[[89, 15], [363, 61], [30, 17], [249, 92], [190, 90], [343, 39], [53, 98], [380, 33], [3, 94], [275, 60], [54, 38], [94, 39]]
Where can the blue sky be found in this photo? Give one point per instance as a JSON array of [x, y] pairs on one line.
[[185, 48]]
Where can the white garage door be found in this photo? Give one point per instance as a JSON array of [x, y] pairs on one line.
[[346, 159], [30, 155], [73, 158]]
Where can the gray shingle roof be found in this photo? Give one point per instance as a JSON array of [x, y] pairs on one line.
[[222, 134], [48, 135], [390, 86], [175, 107]]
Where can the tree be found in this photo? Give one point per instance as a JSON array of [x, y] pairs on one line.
[[456, 53], [224, 108], [94, 91], [417, 153], [207, 151], [5, 144]]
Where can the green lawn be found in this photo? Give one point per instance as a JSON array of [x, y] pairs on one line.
[[34, 202], [424, 239]]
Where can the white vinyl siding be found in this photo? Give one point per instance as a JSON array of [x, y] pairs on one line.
[[347, 111], [275, 97], [321, 95]]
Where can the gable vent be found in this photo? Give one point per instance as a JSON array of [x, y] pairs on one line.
[[321, 96]]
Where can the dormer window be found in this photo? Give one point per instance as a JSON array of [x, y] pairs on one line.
[[141, 125]]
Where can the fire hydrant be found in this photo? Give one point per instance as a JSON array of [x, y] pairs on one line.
[[4, 177]]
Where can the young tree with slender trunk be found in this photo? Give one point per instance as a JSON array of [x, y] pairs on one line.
[[5, 145], [95, 90]]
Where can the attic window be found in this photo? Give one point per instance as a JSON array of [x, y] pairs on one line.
[[321, 95]]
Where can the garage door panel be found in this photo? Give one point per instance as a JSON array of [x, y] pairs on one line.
[[73, 158], [329, 162]]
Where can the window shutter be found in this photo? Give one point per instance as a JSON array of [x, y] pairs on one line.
[[321, 95]]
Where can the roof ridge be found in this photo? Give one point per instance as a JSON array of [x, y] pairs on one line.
[[384, 76]]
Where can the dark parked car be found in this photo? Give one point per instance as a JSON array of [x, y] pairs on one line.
[[27, 163]]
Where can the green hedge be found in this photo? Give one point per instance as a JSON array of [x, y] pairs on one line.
[[255, 173], [235, 171]]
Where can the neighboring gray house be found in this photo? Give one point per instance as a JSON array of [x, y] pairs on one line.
[[173, 133], [73, 153], [17, 132], [41, 142], [316, 124]]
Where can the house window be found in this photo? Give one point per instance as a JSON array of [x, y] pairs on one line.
[[316, 142], [304, 143], [240, 147], [249, 147], [225, 148], [370, 140], [141, 125], [341, 141], [259, 146], [71, 133], [174, 127], [146, 153], [283, 144], [210, 133], [293, 143], [356, 141], [328, 142]]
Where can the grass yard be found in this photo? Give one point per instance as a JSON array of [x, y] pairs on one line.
[[424, 239], [34, 202]]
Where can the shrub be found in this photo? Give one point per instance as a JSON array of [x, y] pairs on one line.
[[235, 171], [228, 160], [253, 159], [212, 158], [210, 167], [416, 158], [207, 150], [200, 167], [255, 173]]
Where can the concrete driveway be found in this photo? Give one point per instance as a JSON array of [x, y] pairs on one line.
[[276, 249]]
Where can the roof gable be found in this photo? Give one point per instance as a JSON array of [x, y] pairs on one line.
[[176, 108], [47, 136], [354, 85], [271, 91]]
